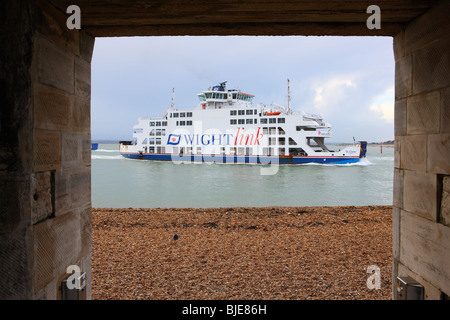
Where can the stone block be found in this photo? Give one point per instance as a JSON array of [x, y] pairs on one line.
[[398, 188], [41, 196], [431, 292], [420, 193], [72, 189], [57, 245], [423, 113], [439, 153], [396, 232], [86, 46], [52, 108], [445, 110], [82, 78], [47, 150], [14, 257], [424, 248], [428, 27], [15, 202], [86, 150], [403, 77], [55, 65], [414, 153], [445, 202], [399, 45], [397, 151], [80, 184], [430, 66], [71, 150], [51, 23], [81, 115], [400, 117]]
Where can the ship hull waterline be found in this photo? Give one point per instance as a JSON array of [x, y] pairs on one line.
[[257, 159]]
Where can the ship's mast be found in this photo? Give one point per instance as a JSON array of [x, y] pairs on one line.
[[173, 98], [288, 98]]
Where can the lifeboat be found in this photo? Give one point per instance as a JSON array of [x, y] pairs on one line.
[[275, 113]]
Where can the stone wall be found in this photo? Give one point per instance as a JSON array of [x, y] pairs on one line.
[[49, 171], [421, 228]]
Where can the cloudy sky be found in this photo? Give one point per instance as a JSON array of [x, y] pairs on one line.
[[347, 80]]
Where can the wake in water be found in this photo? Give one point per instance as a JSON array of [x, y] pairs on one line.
[[103, 157], [105, 150]]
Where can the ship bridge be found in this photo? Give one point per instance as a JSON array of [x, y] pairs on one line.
[[219, 97]]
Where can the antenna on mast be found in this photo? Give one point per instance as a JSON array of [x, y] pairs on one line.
[[288, 98], [173, 98]]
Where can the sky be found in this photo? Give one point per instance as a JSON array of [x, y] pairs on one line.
[[349, 81]]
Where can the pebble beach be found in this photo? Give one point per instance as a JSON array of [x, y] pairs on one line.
[[270, 253]]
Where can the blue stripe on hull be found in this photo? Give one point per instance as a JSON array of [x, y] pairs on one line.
[[241, 159]]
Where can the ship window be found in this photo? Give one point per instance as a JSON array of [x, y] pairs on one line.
[[265, 130], [152, 133], [255, 121], [175, 115], [250, 112], [152, 149], [189, 123], [241, 121], [233, 121], [189, 114], [292, 142], [241, 112], [234, 95], [233, 112], [249, 121], [163, 132], [164, 123], [152, 123], [182, 114], [182, 123], [254, 112], [281, 151], [281, 120], [281, 131], [281, 141], [158, 140], [263, 121], [273, 130], [158, 123], [178, 123], [152, 141], [272, 120]]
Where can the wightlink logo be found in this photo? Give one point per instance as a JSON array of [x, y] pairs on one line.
[[241, 138], [212, 146]]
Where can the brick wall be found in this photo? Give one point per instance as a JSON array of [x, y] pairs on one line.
[[421, 229]]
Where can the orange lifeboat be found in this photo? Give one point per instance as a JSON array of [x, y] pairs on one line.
[[273, 113]]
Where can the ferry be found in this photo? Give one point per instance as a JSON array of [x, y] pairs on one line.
[[227, 127]]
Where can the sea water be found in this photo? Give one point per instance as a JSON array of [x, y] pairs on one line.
[[123, 183]]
